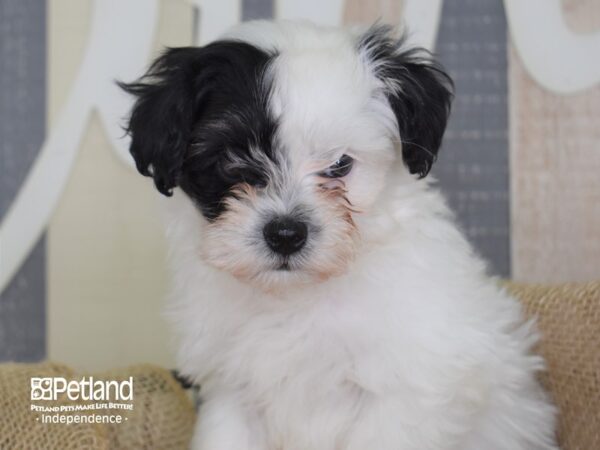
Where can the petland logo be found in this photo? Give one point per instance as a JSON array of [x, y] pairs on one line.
[[86, 389]]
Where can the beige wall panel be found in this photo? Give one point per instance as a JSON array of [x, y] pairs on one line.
[[368, 11], [105, 269], [555, 181], [582, 16], [106, 251]]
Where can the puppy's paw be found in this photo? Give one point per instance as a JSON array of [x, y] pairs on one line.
[[223, 425]]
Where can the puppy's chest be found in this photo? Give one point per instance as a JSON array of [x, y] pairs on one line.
[[302, 377], [322, 351], [283, 353]]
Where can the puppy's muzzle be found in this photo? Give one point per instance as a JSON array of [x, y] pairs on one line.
[[285, 235]]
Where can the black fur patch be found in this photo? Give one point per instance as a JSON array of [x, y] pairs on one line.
[[419, 92], [198, 113]]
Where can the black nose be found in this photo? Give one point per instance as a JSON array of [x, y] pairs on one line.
[[285, 235]]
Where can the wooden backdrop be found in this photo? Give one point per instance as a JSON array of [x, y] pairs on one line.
[[555, 170]]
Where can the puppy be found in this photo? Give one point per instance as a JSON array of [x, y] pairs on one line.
[[323, 296]]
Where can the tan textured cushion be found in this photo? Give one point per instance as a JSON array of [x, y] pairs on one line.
[[162, 415], [569, 318]]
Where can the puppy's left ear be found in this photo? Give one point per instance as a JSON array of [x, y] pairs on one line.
[[418, 90]]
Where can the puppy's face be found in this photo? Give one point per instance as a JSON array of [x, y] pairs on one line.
[[280, 149]]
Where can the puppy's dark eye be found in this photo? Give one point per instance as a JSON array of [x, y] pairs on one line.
[[340, 168]]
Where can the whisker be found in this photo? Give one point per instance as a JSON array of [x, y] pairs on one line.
[[429, 152]]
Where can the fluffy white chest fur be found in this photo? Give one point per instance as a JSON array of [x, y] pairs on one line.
[[413, 348], [322, 295]]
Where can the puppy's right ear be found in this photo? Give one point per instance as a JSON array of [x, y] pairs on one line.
[[162, 117]]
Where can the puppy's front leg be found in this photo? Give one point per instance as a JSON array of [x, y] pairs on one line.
[[223, 425], [385, 423]]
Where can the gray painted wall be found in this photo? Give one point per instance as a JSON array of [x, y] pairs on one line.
[[257, 9], [22, 124], [473, 163]]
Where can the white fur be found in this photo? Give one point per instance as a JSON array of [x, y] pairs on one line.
[[412, 346]]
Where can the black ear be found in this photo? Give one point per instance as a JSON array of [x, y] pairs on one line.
[[419, 92], [162, 117]]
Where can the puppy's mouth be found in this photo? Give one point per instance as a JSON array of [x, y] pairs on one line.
[[284, 266]]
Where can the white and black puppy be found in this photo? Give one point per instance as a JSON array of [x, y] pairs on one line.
[[323, 296]]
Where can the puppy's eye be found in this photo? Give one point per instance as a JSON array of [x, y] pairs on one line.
[[340, 168]]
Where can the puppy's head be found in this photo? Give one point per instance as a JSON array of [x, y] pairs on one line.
[[282, 144]]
